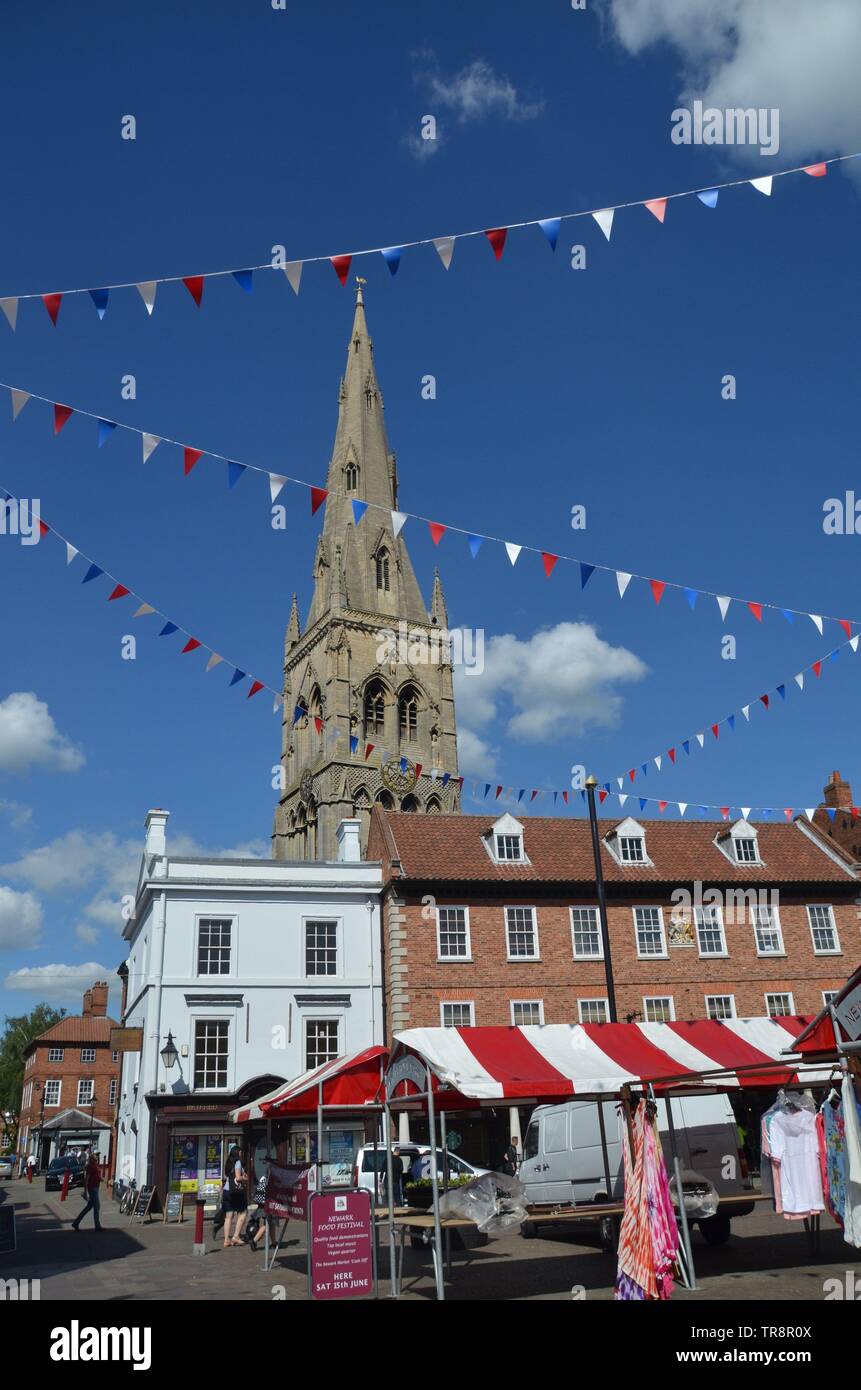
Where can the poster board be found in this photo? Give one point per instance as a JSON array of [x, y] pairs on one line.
[[146, 1204], [341, 1245], [174, 1207], [126, 1039]]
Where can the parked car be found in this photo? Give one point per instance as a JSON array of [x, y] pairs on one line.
[[7, 1166], [415, 1161], [57, 1169], [563, 1162]]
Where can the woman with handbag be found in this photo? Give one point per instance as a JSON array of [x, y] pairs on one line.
[[234, 1198]]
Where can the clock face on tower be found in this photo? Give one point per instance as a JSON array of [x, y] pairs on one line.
[[395, 779], [306, 785]]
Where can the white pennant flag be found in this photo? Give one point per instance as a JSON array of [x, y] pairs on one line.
[[445, 249], [71, 552], [19, 400], [605, 220], [513, 551], [213, 661], [723, 604], [434, 774], [276, 482], [799, 680], [683, 806], [622, 580], [745, 709], [399, 521], [701, 738], [620, 781], [853, 642], [146, 290], [293, 271], [745, 812], [763, 185], [623, 797], [276, 704], [808, 811], [10, 309], [150, 442], [816, 621], [144, 609], [658, 762]]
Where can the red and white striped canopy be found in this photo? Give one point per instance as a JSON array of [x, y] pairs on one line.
[[351, 1080], [557, 1060]]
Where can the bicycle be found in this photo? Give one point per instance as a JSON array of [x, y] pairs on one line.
[[128, 1197]]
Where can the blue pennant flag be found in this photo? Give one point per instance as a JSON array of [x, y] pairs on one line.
[[392, 257], [520, 797], [687, 746], [781, 690], [550, 226], [354, 742], [607, 787], [704, 810], [486, 789], [475, 544], [106, 429], [643, 800], [766, 810], [403, 764], [100, 299], [692, 595], [645, 769], [586, 572], [730, 719], [234, 473], [298, 712], [238, 676], [243, 278], [709, 196], [359, 509], [555, 794], [790, 617], [92, 573], [831, 812], [446, 778], [582, 794], [835, 654], [168, 630]]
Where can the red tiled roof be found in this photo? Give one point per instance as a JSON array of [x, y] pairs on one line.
[[560, 849], [77, 1028]]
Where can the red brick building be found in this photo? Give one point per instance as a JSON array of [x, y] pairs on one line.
[[71, 1080], [838, 818], [488, 920]]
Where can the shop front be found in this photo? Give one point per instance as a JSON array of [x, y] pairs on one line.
[[190, 1141]]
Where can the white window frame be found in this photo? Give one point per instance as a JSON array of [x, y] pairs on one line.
[[834, 950], [775, 927], [86, 1081], [460, 1004], [713, 925], [521, 907], [593, 999], [746, 840], [732, 1009], [632, 840], [508, 858], [200, 917], [650, 955], [453, 907], [321, 1018], [88, 1060], [531, 1003], [784, 994], [651, 999], [195, 1020], [53, 1081], [828, 997], [599, 955], [52, 1055], [339, 945], [112, 1090]]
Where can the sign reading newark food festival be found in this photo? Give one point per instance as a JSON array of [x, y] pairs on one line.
[[342, 1261]]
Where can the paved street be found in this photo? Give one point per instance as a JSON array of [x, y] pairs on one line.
[[766, 1258]]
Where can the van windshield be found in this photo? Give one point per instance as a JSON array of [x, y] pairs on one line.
[[530, 1147]]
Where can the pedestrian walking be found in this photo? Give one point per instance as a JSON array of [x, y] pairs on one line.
[[92, 1181], [234, 1198], [31, 1166], [509, 1160]]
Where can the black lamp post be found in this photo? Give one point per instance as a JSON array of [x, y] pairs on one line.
[[169, 1053], [591, 784], [40, 1087]]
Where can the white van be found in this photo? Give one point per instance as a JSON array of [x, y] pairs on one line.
[[563, 1162]]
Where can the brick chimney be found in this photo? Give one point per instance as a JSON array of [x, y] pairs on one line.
[[99, 994], [837, 792], [88, 1004]]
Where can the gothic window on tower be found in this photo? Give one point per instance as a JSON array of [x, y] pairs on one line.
[[410, 803], [383, 570], [315, 710], [386, 800], [351, 477], [375, 711], [408, 705]]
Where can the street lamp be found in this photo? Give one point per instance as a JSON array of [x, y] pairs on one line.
[[591, 784], [40, 1087], [169, 1053]]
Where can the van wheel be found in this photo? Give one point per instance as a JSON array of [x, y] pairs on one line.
[[715, 1230], [527, 1230]]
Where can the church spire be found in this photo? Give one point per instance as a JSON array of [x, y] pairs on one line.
[[439, 612], [294, 630]]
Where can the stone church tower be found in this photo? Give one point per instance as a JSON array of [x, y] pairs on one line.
[[370, 664]]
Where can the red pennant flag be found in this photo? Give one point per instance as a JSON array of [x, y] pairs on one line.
[[534, 794], [854, 811], [255, 686], [44, 528], [498, 793], [764, 699], [658, 587], [437, 531], [657, 207], [602, 796], [496, 236], [61, 415], [342, 267], [191, 645], [565, 797], [632, 774], [52, 303], [816, 171], [662, 806], [715, 728], [190, 457], [549, 562], [369, 748], [756, 610], [318, 497], [724, 810], [816, 668], [419, 767], [119, 592], [318, 724], [846, 626], [671, 754], [194, 285], [787, 811]]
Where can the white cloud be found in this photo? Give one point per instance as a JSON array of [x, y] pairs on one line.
[[799, 57], [474, 755], [561, 680], [20, 919], [62, 984], [87, 934], [17, 814], [29, 737], [475, 93]]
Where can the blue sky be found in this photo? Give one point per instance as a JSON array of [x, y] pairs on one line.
[[554, 387]]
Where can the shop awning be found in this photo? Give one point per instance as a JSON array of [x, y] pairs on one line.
[[818, 1037], [558, 1060], [351, 1080]]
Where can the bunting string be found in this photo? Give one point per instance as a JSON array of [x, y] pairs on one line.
[[443, 245], [191, 456]]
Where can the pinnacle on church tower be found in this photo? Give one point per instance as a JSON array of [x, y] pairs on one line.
[[365, 672]]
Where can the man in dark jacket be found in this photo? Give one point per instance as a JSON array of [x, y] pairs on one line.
[[92, 1180]]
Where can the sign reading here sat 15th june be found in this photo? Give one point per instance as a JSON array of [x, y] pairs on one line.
[[342, 1260]]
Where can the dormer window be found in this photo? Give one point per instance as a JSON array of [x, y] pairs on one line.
[[509, 847], [740, 844], [627, 843], [504, 841], [632, 849]]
